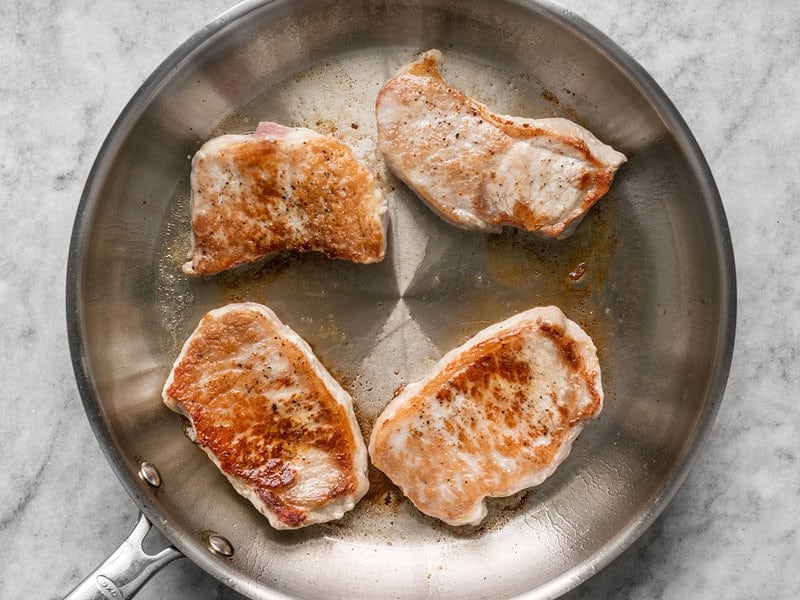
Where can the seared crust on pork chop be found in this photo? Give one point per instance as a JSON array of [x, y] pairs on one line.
[[282, 188], [480, 170], [270, 416], [495, 416]]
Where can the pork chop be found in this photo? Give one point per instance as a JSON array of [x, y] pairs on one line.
[[270, 416], [480, 170], [282, 188], [495, 416]]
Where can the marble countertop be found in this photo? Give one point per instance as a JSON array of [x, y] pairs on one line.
[[732, 530]]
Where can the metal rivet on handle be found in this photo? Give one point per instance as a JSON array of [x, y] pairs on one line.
[[149, 474], [219, 545]]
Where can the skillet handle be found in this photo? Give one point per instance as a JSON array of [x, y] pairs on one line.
[[126, 570]]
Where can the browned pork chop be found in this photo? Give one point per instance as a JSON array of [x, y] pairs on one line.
[[282, 188], [270, 416], [481, 170], [495, 416]]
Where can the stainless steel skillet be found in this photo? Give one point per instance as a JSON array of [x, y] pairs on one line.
[[649, 274]]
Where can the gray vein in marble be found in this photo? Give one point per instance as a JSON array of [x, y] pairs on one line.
[[29, 489]]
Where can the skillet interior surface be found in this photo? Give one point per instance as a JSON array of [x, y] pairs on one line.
[[656, 292]]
